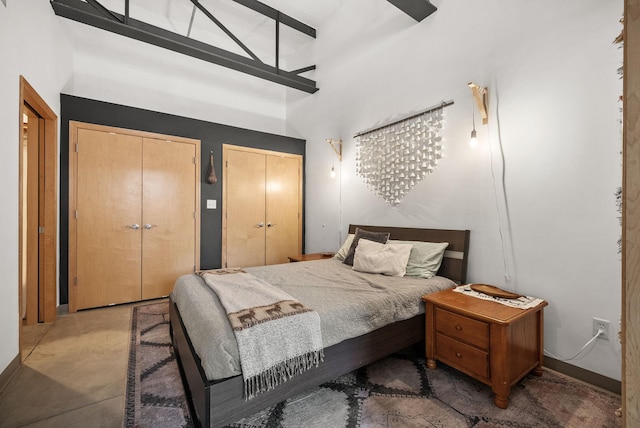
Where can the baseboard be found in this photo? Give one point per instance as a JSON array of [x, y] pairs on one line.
[[587, 376], [8, 372]]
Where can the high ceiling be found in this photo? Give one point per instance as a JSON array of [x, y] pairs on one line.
[[311, 12], [255, 37], [252, 28], [239, 34]]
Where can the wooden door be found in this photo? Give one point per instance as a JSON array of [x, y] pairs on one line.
[[244, 204], [31, 217], [137, 199], [46, 242], [109, 216], [168, 214], [283, 208], [262, 198]]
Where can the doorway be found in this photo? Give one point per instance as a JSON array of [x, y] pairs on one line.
[[38, 152]]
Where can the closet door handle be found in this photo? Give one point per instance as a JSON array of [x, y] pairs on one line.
[[133, 226], [270, 225], [260, 225], [149, 226]]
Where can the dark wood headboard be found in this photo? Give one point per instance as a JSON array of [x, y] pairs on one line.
[[454, 263]]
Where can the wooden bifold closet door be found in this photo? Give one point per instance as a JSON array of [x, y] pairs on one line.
[[262, 198], [134, 214]]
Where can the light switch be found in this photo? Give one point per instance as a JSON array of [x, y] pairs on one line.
[[211, 204]]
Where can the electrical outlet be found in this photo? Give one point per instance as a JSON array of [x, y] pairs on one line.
[[600, 324]]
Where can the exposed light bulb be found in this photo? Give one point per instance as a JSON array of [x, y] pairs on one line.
[[333, 172], [473, 142]]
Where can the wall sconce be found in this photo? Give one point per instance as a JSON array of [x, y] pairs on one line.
[[480, 96], [336, 145]]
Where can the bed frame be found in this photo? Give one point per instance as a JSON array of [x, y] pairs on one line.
[[218, 403]]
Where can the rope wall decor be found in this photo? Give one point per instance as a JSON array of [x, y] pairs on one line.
[[393, 158]]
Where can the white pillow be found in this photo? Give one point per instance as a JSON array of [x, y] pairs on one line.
[[425, 258], [342, 252], [387, 259]]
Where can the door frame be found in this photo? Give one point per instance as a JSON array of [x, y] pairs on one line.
[[73, 140], [48, 154], [631, 217]]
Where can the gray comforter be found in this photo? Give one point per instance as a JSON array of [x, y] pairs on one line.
[[349, 303]]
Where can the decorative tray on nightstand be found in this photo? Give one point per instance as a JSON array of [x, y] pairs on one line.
[[491, 290]]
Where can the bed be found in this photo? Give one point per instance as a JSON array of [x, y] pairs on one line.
[[216, 396]]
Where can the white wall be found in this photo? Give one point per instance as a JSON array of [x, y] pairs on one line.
[[551, 230], [32, 45]]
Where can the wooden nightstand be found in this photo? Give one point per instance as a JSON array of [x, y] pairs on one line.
[[493, 343], [308, 257]]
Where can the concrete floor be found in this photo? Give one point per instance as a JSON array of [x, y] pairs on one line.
[[73, 372]]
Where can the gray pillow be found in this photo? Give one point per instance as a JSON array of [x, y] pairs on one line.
[[381, 237]]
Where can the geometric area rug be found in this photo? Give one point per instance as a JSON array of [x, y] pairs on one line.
[[397, 391], [155, 396]]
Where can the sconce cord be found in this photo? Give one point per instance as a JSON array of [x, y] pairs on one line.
[[473, 116], [507, 276]]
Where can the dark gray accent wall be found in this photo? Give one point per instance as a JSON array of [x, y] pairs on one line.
[[212, 137]]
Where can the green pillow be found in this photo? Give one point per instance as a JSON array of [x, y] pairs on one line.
[[425, 258]]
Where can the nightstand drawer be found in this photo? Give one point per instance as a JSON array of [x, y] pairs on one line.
[[459, 327], [462, 356]]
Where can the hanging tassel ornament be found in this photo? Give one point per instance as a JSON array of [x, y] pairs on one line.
[[211, 172]]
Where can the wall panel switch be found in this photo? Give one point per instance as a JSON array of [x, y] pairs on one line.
[[211, 204]]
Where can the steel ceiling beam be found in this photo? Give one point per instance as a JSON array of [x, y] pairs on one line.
[[304, 69], [80, 11], [275, 14], [417, 9], [209, 15], [103, 10]]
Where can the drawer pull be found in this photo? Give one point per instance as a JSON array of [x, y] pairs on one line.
[[458, 327], [458, 354]]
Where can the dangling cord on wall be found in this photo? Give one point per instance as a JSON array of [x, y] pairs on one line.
[[507, 276]]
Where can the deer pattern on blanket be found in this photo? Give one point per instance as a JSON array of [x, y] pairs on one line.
[[251, 316], [250, 303]]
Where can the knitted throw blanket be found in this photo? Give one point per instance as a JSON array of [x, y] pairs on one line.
[[278, 337]]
